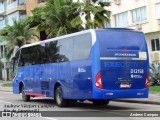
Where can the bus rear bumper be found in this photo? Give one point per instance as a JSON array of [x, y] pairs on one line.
[[113, 94]]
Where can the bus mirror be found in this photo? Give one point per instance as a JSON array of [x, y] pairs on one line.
[[12, 63], [12, 60]]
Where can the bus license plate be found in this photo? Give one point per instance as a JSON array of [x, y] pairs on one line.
[[125, 85]]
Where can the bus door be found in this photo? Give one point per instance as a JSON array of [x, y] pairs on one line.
[[44, 70], [24, 70]]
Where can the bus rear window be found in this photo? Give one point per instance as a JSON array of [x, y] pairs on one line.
[[121, 40]]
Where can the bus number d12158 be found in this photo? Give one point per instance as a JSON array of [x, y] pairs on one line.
[[141, 71]]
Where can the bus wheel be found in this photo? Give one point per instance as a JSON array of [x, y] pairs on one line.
[[100, 102], [24, 96], [59, 98]]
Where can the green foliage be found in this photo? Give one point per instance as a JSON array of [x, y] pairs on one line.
[[60, 17], [77, 21], [58, 14], [154, 88], [7, 84], [98, 10], [36, 18], [154, 73]]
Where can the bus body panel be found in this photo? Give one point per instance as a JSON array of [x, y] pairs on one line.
[[120, 72], [82, 79], [96, 67], [123, 65], [113, 94], [46, 76]]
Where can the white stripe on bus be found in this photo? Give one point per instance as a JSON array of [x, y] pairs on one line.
[[116, 58]]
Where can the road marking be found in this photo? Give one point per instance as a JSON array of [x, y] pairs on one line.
[[5, 102], [49, 118]]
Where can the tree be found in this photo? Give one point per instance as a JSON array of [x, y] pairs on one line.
[[17, 35], [154, 73], [60, 17], [36, 18], [57, 15]]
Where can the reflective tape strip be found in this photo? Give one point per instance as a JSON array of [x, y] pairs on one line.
[[116, 58]]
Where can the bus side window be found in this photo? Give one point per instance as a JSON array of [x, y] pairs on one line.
[[66, 49], [24, 57], [15, 62], [21, 59], [82, 47], [52, 49], [41, 54]]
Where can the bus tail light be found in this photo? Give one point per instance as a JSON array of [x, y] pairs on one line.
[[147, 81], [98, 80]]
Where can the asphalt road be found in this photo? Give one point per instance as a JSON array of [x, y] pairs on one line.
[[80, 111]]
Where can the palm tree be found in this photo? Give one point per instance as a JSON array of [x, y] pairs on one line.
[[91, 14], [16, 35], [154, 74], [60, 17], [36, 18]]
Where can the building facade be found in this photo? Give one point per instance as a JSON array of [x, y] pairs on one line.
[[13, 9], [142, 15], [10, 9]]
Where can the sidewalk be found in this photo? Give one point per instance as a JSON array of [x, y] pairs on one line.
[[5, 89], [154, 97]]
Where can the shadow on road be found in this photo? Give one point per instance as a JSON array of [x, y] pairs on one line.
[[84, 105]]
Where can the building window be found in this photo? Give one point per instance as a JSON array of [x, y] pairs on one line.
[[22, 14], [22, 2], [157, 6], [10, 17], [121, 19], [41, 1], [155, 44], [1, 6], [16, 15], [139, 15]]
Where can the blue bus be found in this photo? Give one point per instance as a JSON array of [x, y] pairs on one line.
[[96, 65]]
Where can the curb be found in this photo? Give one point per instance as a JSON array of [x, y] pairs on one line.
[[6, 90], [152, 92], [136, 101]]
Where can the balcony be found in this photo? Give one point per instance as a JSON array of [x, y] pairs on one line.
[[1, 9], [16, 15], [16, 4], [2, 24], [12, 5]]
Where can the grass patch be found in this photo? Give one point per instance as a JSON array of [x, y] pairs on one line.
[[154, 88], [7, 84]]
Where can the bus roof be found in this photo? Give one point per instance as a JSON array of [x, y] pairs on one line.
[[57, 38], [92, 31]]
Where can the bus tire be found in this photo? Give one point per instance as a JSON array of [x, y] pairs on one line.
[[101, 102], [24, 96], [61, 102]]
